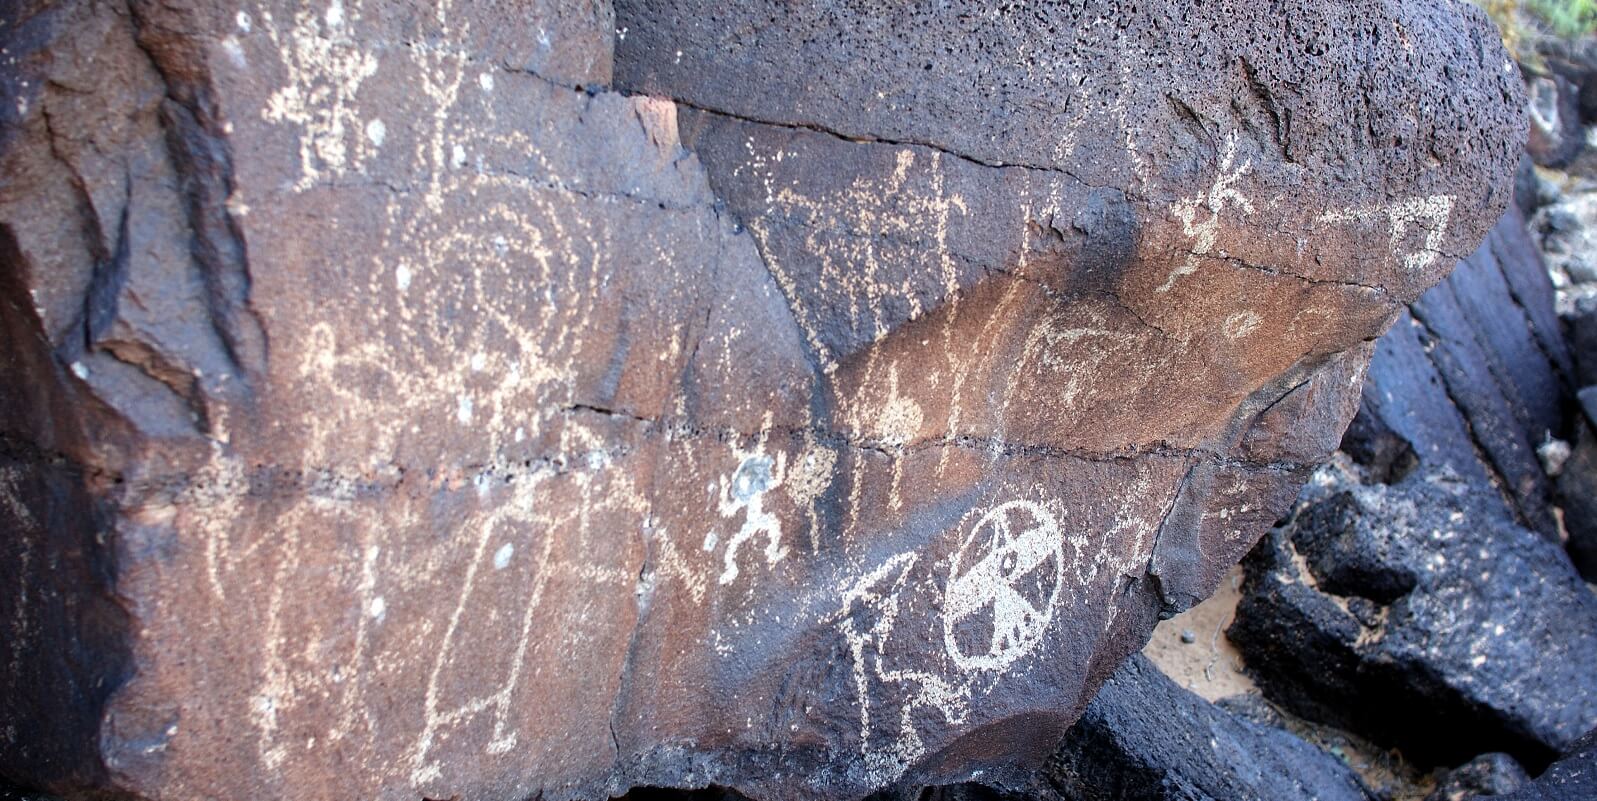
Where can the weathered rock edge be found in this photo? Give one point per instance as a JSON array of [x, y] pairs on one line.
[[391, 408]]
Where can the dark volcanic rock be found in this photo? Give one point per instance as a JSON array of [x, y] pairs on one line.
[[1556, 130], [1572, 778], [1577, 486], [391, 408], [1144, 737], [1580, 322], [1485, 775], [1473, 379], [1422, 616]]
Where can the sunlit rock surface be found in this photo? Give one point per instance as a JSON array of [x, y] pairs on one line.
[[463, 399]]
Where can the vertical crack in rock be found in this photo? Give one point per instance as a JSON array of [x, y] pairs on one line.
[[197, 142]]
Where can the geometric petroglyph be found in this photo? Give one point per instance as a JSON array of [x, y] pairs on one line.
[[1003, 585], [1433, 212]]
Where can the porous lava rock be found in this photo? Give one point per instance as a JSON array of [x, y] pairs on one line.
[[1421, 616], [1145, 737], [1572, 778], [1420, 595], [447, 399], [1486, 775], [1577, 487]]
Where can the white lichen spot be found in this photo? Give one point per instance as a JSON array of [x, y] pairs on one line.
[[235, 203], [376, 132], [502, 556], [402, 277], [457, 157], [463, 409], [234, 51], [486, 81], [378, 608], [335, 14], [244, 22], [521, 433], [79, 370]]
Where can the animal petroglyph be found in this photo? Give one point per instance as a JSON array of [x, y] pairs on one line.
[[867, 617]]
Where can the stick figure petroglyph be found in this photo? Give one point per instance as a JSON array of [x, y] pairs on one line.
[[757, 474], [1205, 233]]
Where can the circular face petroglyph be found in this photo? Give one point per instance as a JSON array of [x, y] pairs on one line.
[[1002, 586]]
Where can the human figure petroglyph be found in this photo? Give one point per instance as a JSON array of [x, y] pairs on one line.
[[326, 68], [757, 474], [1204, 233], [873, 212], [1004, 582]]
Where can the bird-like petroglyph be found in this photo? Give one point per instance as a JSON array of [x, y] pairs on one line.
[[1003, 585]]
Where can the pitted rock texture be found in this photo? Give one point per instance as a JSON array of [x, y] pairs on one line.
[[1421, 595], [1421, 616], [396, 406], [1572, 778], [1144, 736]]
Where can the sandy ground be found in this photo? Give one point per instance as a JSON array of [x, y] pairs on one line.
[[1211, 667]]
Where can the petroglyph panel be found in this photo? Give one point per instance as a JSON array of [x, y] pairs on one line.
[[408, 409]]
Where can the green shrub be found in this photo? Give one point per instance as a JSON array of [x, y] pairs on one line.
[[1524, 22], [1568, 18]]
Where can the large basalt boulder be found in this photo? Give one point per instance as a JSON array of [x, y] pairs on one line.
[[395, 405], [1473, 380], [1420, 615], [1145, 737]]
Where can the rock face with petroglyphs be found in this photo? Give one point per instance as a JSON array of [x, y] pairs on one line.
[[436, 399]]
